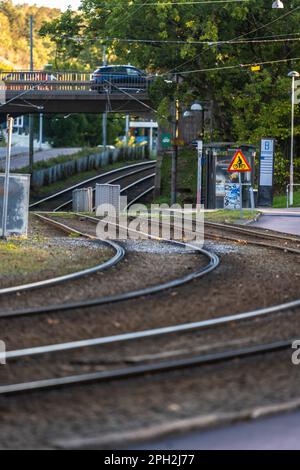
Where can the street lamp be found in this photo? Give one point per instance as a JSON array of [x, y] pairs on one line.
[[277, 4], [293, 74], [197, 107]]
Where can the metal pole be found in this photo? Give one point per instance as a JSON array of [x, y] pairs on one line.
[[292, 146], [41, 132], [199, 178], [31, 118], [175, 156], [151, 141], [10, 123], [104, 56], [175, 147], [127, 122], [104, 115], [241, 195]]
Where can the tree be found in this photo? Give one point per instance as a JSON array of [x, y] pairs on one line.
[[247, 105]]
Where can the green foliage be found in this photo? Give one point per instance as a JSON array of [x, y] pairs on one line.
[[246, 105], [82, 130], [186, 177], [14, 35]]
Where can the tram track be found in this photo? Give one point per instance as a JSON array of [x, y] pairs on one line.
[[216, 231], [152, 368], [63, 199]]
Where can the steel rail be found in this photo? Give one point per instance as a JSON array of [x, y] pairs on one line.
[[133, 185], [262, 234], [154, 332], [133, 201], [249, 232], [75, 186], [253, 232], [141, 370], [128, 175], [213, 264], [118, 256]]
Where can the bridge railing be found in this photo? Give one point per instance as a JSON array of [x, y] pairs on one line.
[[71, 81]]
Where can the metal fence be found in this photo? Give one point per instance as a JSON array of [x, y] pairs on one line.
[[71, 81]]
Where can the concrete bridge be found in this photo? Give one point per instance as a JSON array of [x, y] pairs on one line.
[[69, 92]]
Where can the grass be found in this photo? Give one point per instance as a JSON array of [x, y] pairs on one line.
[[45, 191], [229, 216], [280, 200], [38, 258]]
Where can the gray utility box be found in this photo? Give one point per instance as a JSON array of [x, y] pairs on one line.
[[83, 200], [18, 204], [108, 195]]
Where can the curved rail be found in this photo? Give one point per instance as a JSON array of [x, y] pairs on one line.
[[164, 366], [90, 180], [213, 264], [118, 256], [140, 196], [115, 180]]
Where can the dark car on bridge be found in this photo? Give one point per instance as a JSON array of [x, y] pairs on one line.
[[118, 78]]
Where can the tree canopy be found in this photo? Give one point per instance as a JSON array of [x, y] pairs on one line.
[[14, 35]]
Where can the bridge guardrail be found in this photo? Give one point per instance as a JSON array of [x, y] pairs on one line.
[[70, 81]]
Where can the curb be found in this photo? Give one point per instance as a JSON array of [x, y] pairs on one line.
[[121, 440]]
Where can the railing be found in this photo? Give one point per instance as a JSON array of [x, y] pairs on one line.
[[71, 81], [288, 193]]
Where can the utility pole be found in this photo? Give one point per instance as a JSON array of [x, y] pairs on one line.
[[175, 147], [127, 122], [104, 115], [292, 75], [10, 123], [31, 117], [41, 132]]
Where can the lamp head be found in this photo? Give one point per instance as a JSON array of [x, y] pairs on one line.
[[293, 73], [277, 4], [196, 106]]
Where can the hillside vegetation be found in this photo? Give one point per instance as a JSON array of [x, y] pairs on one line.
[[14, 35]]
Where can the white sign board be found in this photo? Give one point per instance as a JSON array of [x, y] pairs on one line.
[[18, 204], [266, 162]]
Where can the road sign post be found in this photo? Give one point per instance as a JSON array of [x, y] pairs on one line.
[[239, 164], [199, 176], [10, 123], [241, 195], [266, 172]]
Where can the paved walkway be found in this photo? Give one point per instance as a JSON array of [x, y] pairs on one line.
[[282, 220], [273, 433], [20, 157]]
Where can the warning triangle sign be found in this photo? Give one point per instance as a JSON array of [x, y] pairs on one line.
[[239, 163]]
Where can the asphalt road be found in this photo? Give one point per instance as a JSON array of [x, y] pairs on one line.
[[20, 157], [284, 220], [273, 433]]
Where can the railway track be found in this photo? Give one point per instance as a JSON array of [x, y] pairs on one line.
[[119, 254], [153, 367], [125, 175]]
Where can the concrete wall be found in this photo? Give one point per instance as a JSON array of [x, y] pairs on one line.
[[96, 161]]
